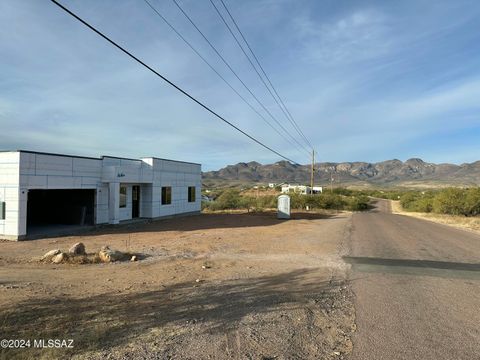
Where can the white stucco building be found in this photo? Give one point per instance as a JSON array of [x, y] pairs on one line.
[[301, 189], [44, 191]]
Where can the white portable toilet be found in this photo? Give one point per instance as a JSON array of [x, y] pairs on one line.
[[283, 207]]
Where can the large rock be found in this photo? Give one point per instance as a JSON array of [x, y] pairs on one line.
[[77, 249], [59, 258], [49, 255], [108, 255]]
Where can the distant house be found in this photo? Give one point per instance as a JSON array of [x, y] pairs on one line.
[[300, 189], [206, 198]]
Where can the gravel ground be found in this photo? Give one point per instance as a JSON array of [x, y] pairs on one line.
[[214, 286]]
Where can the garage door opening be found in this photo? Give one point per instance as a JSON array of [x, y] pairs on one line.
[[59, 211]]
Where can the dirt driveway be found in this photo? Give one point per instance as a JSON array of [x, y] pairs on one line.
[[214, 286]]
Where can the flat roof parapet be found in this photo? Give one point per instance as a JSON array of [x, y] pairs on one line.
[[94, 158]]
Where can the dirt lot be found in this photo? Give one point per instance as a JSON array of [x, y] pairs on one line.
[[214, 286]]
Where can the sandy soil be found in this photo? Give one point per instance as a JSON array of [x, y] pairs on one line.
[[214, 286]]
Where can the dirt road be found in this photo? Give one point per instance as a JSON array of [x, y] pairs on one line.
[[417, 287]]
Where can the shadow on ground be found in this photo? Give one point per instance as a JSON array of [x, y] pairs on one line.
[[415, 267], [100, 322], [204, 221]]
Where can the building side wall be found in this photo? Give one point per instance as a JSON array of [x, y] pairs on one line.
[[10, 194], [179, 176]]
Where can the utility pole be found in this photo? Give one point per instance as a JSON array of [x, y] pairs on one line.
[[331, 179], [313, 170]]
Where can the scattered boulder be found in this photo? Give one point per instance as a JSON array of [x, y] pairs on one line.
[[108, 255], [134, 258], [49, 255], [77, 249], [61, 257]]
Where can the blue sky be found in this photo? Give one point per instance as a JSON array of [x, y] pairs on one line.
[[365, 80]]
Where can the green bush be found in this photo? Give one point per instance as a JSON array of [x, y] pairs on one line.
[[417, 201], [472, 202], [344, 191], [424, 204], [266, 202], [229, 199], [451, 201], [358, 203], [233, 199], [408, 199]]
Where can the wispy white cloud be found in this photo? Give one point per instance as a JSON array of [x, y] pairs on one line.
[[359, 35], [364, 82]]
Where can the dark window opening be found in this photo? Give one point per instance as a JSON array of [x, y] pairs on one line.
[[123, 196], [166, 195], [135, 201], [65, 207], [191, 194], [2, 210]]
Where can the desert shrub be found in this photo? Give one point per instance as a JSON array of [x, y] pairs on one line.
[[417, 201], [297, 201], [233, 199], [408, 199], [390, 195], [358, 203], [456, 201], [344, 191], [229, 199], [423, 204], [449, 201], [206, 205], [247, 202], [472, 202], [331, 201], [266, 202]]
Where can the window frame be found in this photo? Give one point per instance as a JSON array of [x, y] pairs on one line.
[[166, 197], [192, 194], [123, 205], [3, 210]]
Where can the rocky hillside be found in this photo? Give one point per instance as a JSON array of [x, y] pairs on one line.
[[413, 172]]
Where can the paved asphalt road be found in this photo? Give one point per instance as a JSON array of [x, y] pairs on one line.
[[417, 287]]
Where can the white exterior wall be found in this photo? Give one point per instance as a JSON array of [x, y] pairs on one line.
[[179, 176], [22, 171], [10, 193], [297, 189]]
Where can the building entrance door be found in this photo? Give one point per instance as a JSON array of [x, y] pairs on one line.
[[135, 201]]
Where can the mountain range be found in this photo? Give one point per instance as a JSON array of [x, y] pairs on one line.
[[411, 173]]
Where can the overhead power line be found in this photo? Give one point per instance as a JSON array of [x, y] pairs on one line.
[[288, 114], [157, 12], [236, 75], [168, 81]]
